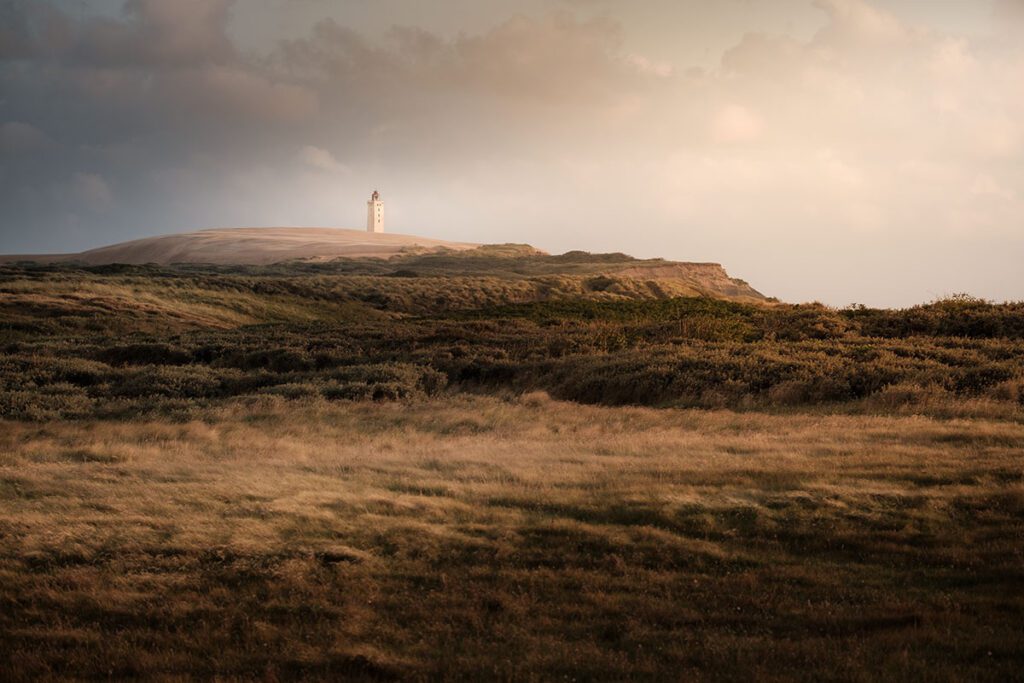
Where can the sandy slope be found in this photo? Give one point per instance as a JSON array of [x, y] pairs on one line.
[[253, 246]]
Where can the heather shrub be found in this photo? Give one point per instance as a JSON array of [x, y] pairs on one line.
[[1011, 390], [391, 381], [790, 393], [24, 371], [144, 354], [535, 399], [273, 360], [956, 316], [976, 379], [190, 381], [234, 382], [52, 402], [514, 326], [364, 391], [905, 394], [292, 390], [79, 371], [729, 394]]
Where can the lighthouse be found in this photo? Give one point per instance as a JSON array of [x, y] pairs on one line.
[[375, 213]]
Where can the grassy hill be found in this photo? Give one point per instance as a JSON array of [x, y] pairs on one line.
[[254, 246], [130, 297], [293, 252]]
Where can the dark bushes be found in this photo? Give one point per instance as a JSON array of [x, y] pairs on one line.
[[738, 375], [195, 381], [957, 316], [73, 361], [274, 360], [144, 354]]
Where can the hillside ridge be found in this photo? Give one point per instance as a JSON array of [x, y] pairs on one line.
[[290, 251], [252, 246]]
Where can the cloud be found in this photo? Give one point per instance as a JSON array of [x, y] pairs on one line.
[[766, 55], [553, 59], [160, 66], [16, 136], [854, 23], [1010, 12], [646, 65], [734, 124], [952, 58], [221, 93], [147, 32], [321, 160], [181, 31], [986, 186], [91, 190]]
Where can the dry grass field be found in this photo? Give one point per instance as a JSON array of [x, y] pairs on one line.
[[489, 538]]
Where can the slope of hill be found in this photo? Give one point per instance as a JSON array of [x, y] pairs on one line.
[[253, 246]]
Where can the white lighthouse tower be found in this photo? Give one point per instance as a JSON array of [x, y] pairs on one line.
[[375, 213]]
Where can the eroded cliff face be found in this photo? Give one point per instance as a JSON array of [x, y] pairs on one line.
[[707, 279]]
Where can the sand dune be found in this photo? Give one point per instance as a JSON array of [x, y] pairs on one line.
[[253, 246]]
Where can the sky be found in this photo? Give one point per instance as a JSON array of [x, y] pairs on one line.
[[842, 151]]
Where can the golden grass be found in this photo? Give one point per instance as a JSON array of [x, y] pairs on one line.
[[139, 303], [479, 538], [179, 300]]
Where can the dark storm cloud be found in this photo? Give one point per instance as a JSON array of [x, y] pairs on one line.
[[159, 57], [119, 101], [158, 100], [148, 32]]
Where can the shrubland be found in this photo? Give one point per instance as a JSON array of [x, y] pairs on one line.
[[123, 341], [530, 468]]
